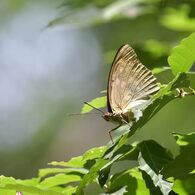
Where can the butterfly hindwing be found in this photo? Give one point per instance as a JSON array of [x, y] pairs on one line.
[[129, 80]]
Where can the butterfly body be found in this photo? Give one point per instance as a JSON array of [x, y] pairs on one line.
[[119, 118]]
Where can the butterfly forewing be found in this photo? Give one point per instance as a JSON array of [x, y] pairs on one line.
[[129, 80]]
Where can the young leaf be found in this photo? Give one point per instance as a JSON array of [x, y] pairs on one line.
[[25, 186], [74, 162], [51, 171], [59, 179], [94, 153], [183, 55], [97, 102]]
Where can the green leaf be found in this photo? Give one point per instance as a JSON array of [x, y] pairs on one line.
[[104, 174], [69, 190], [185, 139], [157, 179], [97, 102], [184, 163], [160, 69], [50, 171], [74, 162], [105, 170], [185, 186], [94, 153], [26, 186], [154, 154], [59, 179], [125, 152], [183, 55], [114, 154], [178, 187], [9, 192], [117, 192], [131, 179], [91, 175], [180, 81], [79, 162]]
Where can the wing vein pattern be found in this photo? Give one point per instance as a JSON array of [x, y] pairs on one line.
[[129, 80]]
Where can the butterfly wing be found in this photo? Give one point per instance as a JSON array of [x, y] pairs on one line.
[[129, 81]]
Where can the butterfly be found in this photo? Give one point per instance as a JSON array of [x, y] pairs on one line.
[[130, 86], [129, 89]]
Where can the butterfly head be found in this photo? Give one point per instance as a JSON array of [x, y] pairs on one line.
[[107, 116]]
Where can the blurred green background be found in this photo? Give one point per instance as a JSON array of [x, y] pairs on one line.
[[54, 55]]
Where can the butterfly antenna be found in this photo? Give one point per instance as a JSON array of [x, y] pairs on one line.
[[94, 107], [76, 114]]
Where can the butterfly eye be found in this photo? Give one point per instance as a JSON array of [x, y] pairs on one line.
[[106, 116]]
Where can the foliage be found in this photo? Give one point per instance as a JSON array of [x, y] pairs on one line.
[[183, 56], [152, 169]]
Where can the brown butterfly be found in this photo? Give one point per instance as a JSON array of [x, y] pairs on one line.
[[130, 87]]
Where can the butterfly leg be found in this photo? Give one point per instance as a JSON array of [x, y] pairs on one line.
[[110, 132], [182, 93], [126, 123]]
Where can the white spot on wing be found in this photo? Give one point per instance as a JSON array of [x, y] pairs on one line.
[[137, 108]]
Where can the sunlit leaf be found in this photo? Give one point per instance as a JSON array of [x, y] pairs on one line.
[[24, 186], [94, 153], [185, 186], [69, 190], [73, 162], [133, 181], [160, 69], [180, 81], [59, 179], [49, 171], [97, 102], [185, 139], [179, 188], [183, 56]]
